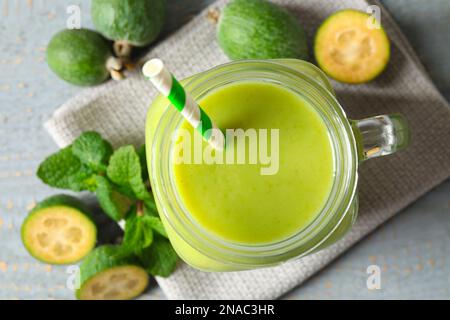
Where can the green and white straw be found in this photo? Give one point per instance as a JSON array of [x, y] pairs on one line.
[[168, 86]]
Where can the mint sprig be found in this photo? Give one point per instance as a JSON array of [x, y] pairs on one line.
[[119, 180], [143, 159], [138, 234], [64, 170], [113, 203], [140, 228], [160, 259], [125, 170]]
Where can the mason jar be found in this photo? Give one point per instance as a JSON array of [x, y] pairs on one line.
[[353, 142]]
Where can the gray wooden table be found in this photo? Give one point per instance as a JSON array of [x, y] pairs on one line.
[[412, 250]]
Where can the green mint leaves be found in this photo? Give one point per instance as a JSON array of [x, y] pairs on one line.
[[156, 225], [138, 232], [92, 150], [160, 259], [120, 182], [90, 163], [114, 204], [75, 166], [146, 237], [140, 227], [125, 170]]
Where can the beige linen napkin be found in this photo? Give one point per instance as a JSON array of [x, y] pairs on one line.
[[387, 185]]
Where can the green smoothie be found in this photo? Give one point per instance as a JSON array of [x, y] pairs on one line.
[[235, 202], [231, 217]]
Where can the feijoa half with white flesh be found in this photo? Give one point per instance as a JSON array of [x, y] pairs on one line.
[[351, 47], [59, 230], [106, 274]]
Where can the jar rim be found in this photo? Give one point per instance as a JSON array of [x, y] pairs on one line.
[[343, 191]]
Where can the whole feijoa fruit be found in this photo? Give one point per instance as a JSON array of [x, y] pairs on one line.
[[80, 56], [129, 22], [259, 29]]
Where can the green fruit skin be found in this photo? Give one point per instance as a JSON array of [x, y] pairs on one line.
[[138, 22], [101, 259], [62, 200], [59, 200], [258, 29], [79, 56]]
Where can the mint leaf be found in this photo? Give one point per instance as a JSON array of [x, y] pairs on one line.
[[160, 259], [154, 221], [143, 160], [124, 166], [92, 150], [64, 170], [125, 170], [156, 224], [112, 202], [150, 205], [138, 233]]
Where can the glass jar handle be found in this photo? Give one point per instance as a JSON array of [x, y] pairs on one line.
[[381, 135]]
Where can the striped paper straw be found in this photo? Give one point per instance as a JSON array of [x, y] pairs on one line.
[[168, 86]]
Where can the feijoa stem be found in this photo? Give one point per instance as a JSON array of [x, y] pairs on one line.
[[115, 65], [213, 15], [122, 49]]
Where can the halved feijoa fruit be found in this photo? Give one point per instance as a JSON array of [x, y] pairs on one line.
[[106, 274], [350, 48], [59, 230]]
